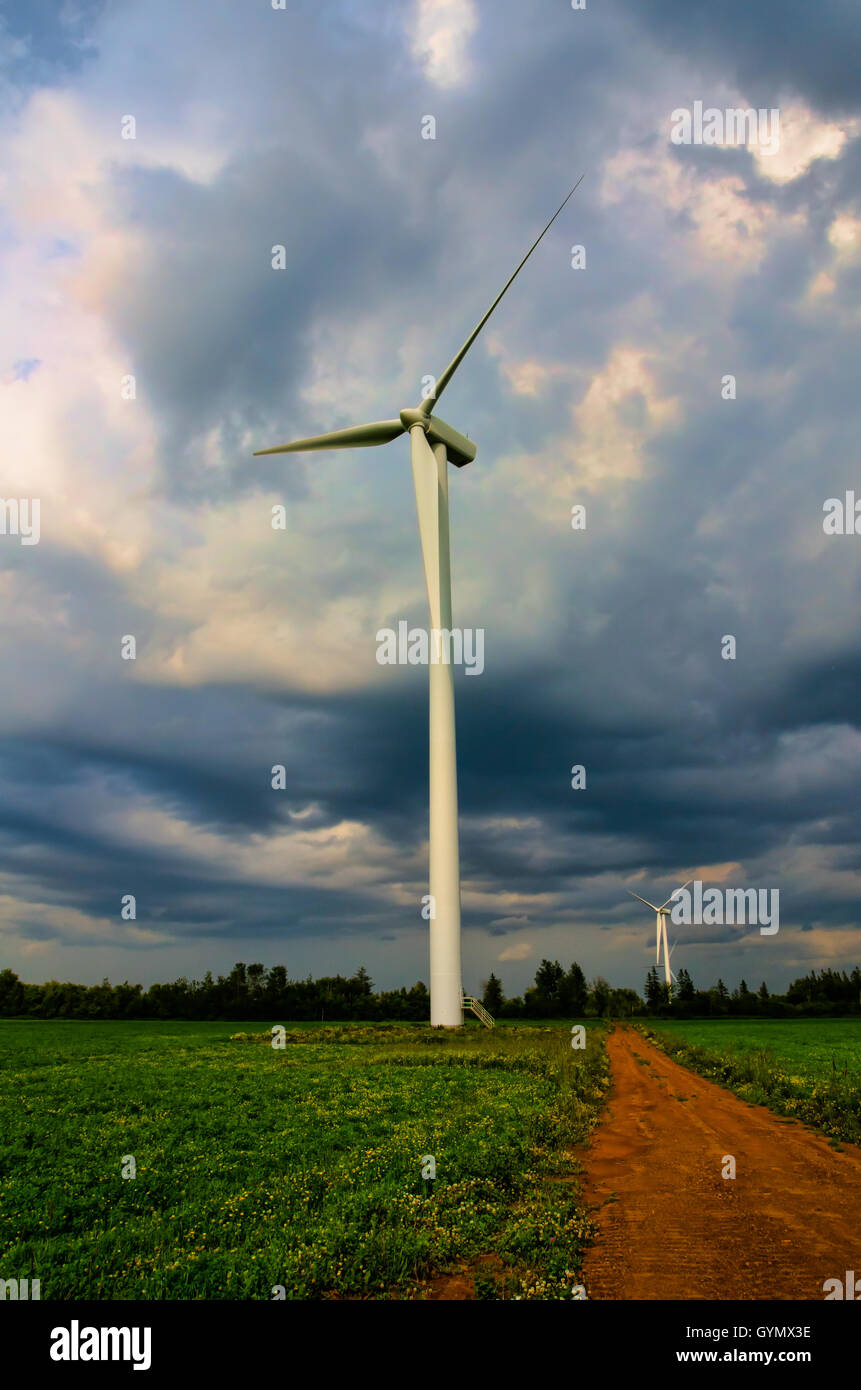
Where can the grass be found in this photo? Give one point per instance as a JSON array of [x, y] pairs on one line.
[[809, 1069], [301, 1167]]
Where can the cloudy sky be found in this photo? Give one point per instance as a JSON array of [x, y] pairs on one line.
[[151, 258]]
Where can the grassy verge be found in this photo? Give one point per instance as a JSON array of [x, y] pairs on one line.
[[300, 1167], [805, 1069]]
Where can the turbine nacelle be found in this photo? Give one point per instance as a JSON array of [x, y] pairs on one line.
[[459, 450]]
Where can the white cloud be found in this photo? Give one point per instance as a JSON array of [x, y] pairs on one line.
[[521, 950], [844, 235], [714, 215], [803, 138], [441, 30], [606, 436], [69, 924]]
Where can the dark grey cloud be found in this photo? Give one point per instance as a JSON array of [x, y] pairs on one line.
[[767, 49]]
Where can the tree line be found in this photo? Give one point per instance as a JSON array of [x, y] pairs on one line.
[[565, 994], [254, 992], [822, 993], [247, 992]]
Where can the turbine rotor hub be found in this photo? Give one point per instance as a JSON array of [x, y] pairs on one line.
[[410, 418]]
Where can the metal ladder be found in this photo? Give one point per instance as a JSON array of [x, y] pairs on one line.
[[467, 1002]]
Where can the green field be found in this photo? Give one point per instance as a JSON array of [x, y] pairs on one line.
[[300, 1167], [808, 1068]]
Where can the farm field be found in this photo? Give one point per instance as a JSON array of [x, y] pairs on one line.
[[301, 1167], [806, 1068]]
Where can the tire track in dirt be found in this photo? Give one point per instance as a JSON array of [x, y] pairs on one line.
[[670, 1226]]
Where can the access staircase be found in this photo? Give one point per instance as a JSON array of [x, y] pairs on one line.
[[467, 1002]]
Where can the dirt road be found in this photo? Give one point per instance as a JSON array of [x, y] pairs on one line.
[[670, 1226]]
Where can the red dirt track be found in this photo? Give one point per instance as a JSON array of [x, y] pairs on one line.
[[789, 1220]]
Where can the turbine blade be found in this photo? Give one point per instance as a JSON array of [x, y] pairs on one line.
[[428, 404], [673, 894], [356, 437], [658, 941], [667, 951], [642, 900]]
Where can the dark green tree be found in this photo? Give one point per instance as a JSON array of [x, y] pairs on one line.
[[493, 997], [574, 992], [624, 1003], [655, 993], [599, 996], [685, 991], [544, 999], [238, 987]]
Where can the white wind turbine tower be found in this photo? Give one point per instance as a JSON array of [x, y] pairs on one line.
[[661, 931], [433, 445]]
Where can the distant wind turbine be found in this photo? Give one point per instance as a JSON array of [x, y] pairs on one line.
[[661, 931], [434, 444]]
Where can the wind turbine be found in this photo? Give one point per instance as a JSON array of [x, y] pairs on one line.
[[661, 931], [433, 445]]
